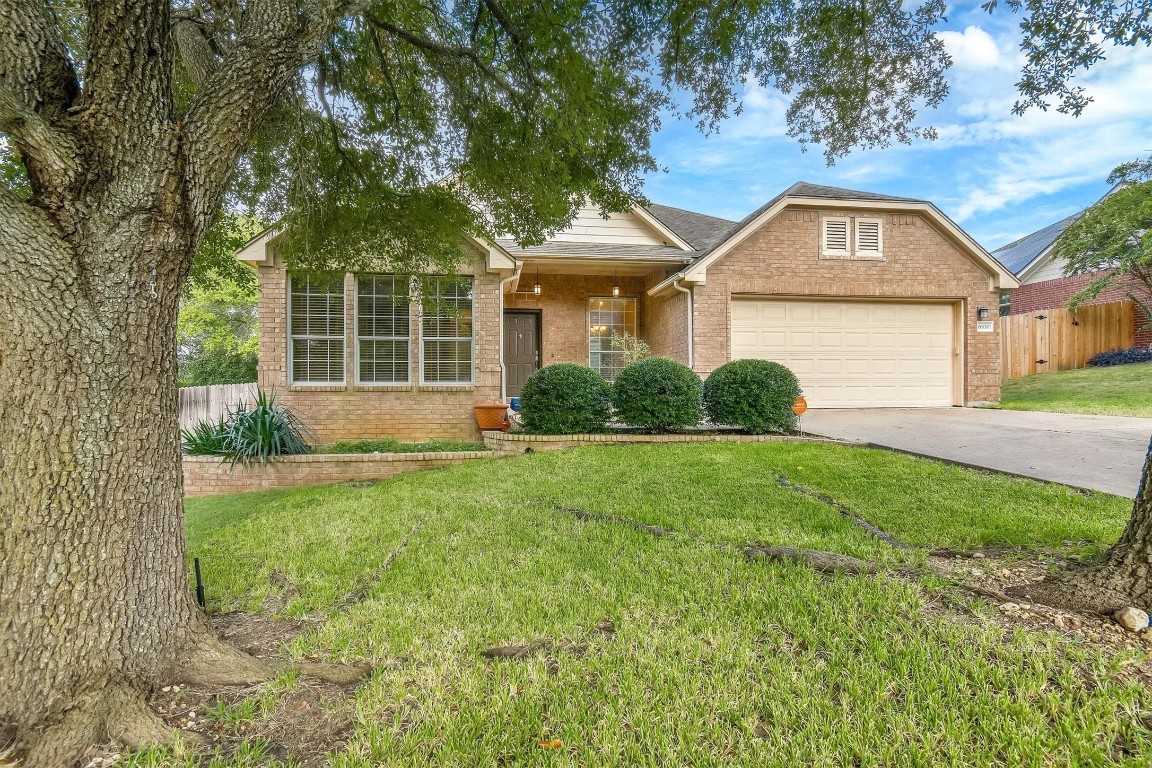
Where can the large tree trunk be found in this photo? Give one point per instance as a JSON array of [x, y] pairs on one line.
[[1122, 578], [95, 604]]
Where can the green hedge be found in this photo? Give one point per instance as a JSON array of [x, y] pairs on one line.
[[564, 399], [756, 395], [657, 394]]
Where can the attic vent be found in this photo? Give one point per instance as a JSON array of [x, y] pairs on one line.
[[835, 236], [868, 237]]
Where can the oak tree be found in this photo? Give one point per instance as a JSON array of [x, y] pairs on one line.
[[374, 130]]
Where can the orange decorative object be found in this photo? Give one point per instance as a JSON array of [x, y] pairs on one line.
[[490, 415], [553, 744], [799, 406]]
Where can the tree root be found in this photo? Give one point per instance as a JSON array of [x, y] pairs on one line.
[[879, 533], [360, 594], [583, 514], [214, 662], [818, 560]]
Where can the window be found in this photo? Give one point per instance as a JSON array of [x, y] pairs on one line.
[[446, 330], [1005, 303], [316, 329], [844, 237], [606, 316], [383, 328]]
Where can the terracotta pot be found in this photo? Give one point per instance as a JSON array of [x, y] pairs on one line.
[[490, 415]]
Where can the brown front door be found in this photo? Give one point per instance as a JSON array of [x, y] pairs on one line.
[[521, 348]]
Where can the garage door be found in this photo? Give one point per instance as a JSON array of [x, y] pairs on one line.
[[850, 354]]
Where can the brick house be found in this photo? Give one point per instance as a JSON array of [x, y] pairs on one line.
[[872, 300], [1044, 286]]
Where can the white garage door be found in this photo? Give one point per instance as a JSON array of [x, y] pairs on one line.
[[850, 354]]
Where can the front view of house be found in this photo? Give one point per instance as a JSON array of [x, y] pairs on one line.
[[873, 301]]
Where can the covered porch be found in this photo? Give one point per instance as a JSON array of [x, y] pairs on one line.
[[562, 309]]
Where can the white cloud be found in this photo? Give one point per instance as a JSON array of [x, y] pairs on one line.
[[974, 49]]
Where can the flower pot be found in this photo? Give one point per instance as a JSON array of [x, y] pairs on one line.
[[490, 415]]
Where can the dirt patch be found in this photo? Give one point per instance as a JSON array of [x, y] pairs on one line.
[[299, 720], [992, 570]]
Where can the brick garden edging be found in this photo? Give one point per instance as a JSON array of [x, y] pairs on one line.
[[205, 475], [519, 442]]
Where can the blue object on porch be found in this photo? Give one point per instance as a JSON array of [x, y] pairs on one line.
[[514, 403]]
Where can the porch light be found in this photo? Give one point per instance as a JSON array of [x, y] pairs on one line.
[[982, 313], [615, 285], [536, 288]]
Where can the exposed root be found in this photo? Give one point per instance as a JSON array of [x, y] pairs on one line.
[[584, 514], [361, 593], [132, 723], [819, 560], [1067, 590], [879, 533], [214, 663]]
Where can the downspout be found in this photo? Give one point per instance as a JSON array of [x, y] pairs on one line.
[[504, 282], [677, 284]]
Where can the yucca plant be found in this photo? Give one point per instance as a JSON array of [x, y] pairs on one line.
[[206, 438], [265, 432]]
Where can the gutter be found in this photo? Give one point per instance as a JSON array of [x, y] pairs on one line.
[[678, 285], [503, 372]]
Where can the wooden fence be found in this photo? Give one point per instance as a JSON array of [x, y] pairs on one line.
[[1059, 340], [211, 402]]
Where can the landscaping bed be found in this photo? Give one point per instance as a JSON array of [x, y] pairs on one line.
[[600, 603]]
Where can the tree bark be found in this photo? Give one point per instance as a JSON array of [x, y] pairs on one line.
[[1124, 576]]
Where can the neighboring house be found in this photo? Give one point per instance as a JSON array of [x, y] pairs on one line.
[[872, 300], [1042, 281]]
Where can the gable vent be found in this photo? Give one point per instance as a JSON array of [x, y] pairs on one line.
[[868, 236], [835, 235]]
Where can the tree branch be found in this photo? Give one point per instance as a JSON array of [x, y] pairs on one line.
[[441, 49], [37, 87]]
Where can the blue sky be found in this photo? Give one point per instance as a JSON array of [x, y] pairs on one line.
[[999, 176]]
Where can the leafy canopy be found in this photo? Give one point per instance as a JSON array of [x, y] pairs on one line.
[[411, 122], [1113, 239]]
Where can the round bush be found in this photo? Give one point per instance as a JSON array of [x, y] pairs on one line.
[[564, 399], [756, 395], [658, 394]]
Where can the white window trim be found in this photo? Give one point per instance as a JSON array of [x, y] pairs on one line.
[[291, 336], [862, 254], [472, 339], [407, 382], [824, 249], [588, 321]]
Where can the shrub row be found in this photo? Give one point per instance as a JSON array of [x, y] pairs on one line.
[[1121, 357], [660, 395]]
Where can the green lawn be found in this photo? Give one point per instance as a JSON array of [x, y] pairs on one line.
[[1121, 390], [713, 660]]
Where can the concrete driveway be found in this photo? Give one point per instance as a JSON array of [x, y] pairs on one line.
[[1104, 453]]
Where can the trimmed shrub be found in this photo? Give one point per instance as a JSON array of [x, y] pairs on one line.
[[1121, 357], [564, 399], [657, 394], [756, 395]]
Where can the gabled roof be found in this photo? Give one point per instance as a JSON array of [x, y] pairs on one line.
[[804, 193], [1021, 254], [699, 230]]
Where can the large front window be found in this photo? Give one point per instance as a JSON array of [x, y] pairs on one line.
[[316, 329], [446, 330], [383, 328], [605, 317]]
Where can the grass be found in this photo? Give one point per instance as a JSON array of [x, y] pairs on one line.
[[1121, 390], [713, 660], [395, 446]]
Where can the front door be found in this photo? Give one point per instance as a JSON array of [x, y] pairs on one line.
[[521, 349]]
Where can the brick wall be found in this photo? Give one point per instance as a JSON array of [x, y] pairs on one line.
[[1049, 294], [205, 475], [783, 259], [666, 318], [406, 412]]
